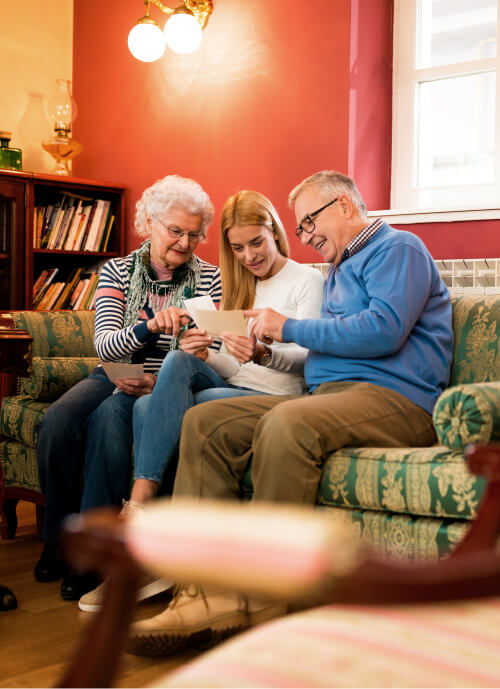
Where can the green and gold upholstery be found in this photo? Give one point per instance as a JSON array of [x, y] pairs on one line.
[[62, 354], [410, 502]]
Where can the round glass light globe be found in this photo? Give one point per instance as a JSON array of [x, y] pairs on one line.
[[146, 42], [183, 33]]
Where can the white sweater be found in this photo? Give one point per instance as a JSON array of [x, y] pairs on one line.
[[295, 291]]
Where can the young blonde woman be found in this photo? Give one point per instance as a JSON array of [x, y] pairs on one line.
[[256, 273]]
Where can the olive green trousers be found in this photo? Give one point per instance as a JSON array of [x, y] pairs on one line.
[[289, 437]]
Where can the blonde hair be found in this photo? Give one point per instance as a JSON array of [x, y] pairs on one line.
[[245, 208], [331, 183]]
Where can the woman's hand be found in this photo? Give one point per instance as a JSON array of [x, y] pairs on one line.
[[196, 341], [169, 321], [137, 386], [243, 348]]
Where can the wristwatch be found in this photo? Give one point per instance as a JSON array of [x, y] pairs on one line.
[[267, 358]]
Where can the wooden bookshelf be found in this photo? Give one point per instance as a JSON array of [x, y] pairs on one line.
[[24, 198]]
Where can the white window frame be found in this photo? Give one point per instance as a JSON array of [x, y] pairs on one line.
[[404, 192]]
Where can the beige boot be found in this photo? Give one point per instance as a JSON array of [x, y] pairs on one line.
[[192, 620], [198, 620]]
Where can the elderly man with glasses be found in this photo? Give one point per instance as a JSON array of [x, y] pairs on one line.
[[379, 357]]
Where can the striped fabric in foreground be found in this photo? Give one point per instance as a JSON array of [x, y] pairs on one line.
[[436, 645]]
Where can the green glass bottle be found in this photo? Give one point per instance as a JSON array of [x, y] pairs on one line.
[[10, 158]]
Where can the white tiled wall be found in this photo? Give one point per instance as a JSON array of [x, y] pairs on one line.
[[462, 275], [471, 275]]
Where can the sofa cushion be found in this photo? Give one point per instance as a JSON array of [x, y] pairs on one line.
[[19, 465], [468, 414], [19, 417], [476, 328], [58, 333], [402, 536], [52, 376], [423, 481], [450, 644]]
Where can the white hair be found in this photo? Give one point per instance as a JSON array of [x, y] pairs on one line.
[[173, 190], [330, 183]]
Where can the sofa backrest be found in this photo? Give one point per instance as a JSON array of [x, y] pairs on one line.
[[476, 326], [58, 333], [62, 351]]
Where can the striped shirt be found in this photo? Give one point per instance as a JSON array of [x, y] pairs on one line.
[[135, 342]]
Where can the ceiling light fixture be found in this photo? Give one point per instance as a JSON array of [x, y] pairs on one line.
[[182, 32]]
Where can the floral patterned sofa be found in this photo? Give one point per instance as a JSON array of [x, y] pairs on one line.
[[410, 503]]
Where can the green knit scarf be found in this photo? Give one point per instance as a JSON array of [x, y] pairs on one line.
[[145, 287]]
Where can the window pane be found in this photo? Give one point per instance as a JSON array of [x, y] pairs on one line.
[[453, 31], [456, 130]]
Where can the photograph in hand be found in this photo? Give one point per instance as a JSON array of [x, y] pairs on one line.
[[115, 371]]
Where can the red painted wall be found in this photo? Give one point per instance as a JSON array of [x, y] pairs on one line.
[[262, 104], [470, 239]]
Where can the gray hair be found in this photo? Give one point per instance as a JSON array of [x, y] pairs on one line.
[[173, 190], [331, 183]]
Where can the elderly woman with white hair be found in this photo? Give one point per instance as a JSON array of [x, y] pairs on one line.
[[139, 315]]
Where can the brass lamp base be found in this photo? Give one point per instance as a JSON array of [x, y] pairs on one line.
[[63, 149]]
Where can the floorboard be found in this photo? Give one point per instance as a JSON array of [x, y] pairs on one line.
[[38, 639]]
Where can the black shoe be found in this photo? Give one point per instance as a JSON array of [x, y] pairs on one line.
[[7, 599], [51, 565], [75, 585]]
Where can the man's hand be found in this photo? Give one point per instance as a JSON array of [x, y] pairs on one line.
[[137, 386], [169, 321], [241, 347], [267, 324], [196, 341]]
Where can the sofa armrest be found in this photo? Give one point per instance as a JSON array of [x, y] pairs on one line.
[[467, 414]]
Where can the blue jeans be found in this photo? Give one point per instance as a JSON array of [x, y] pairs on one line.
[[61, 448], [183, 381], [108, 453]]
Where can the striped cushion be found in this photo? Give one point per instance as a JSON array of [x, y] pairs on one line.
[[436, 645], [468, 414]]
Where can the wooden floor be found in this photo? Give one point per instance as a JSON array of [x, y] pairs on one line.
[[37, 640]]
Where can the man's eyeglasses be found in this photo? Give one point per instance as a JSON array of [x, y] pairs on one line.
[[307, 225], [177, 233]]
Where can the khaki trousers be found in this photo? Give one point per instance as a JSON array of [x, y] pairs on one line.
[[288, 438]]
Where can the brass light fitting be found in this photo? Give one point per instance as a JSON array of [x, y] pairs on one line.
[[182, 31]]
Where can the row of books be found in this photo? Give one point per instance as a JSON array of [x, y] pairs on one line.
[[76, 292], [73, 223]]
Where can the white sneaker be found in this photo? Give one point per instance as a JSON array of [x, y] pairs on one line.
[[196, 620], [92, 601]]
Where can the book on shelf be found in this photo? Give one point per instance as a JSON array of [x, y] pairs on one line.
[[50, 216], [81, 228], [86, 229], [50, 296], [96, 226], [43, 285], [72, 222], [88, 292], [70, 285], [72, 226], [106, 234]]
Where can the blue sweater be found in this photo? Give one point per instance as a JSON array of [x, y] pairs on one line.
[[385, 319]]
